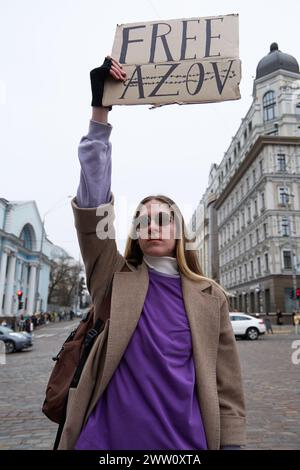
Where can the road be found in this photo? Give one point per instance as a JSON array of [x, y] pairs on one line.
[[272, 387]]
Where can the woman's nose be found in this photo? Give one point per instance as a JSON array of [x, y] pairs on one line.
[[153, 228]]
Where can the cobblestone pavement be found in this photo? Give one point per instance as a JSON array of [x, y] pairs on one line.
[[272, 385]]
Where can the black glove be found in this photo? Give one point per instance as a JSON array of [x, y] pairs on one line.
[[98, 77]]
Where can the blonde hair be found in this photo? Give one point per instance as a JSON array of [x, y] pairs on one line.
[[187, 260]]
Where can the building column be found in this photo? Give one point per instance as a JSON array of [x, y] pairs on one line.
[[10, 284], [31, 294], [2, 275], [18, 284]]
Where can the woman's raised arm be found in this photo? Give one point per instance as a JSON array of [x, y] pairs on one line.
[[94, 150], [100, 255]]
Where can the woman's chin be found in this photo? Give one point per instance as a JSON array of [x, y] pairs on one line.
[[155, 251]]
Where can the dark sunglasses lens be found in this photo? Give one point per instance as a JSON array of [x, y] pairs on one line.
[[142, 221], [163, 219]]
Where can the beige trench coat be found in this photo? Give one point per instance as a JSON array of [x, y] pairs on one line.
[[217, 368]]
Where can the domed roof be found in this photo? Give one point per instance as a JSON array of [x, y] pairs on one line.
[[276, 60]]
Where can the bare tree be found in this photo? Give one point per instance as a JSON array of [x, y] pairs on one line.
[[64, 280]]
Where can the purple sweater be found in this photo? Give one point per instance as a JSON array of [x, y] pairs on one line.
[[94, 155], [151, 400]]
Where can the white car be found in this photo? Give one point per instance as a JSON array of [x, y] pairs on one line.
[[247, 326]]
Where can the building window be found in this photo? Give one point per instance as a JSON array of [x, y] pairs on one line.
[[234, 153], [249, 214], [287, 260], [240, 273], [245, 135], [252, 268], [257, 235], [283, 196], [250, 239], [245, 272], [244, 242], [265, 230], [269, 105], [239, 145], [298, 109], [267, 261], [285, 227], [247, 184], [26, 237], [281, 162], [261, 169], [258, 265], [254, 176], [255, 207], [250, 126], [262, 196]]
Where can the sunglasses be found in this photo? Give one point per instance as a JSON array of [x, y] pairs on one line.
[[162, 219]]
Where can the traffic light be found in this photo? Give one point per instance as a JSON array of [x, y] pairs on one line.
[[297, 293], [292, 293], [20, 294]]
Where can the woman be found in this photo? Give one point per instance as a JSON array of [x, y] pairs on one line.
[[164, 373]]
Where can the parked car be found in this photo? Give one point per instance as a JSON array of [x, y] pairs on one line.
[[247, 326], [15, 341]]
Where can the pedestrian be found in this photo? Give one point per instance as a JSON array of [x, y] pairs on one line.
[[268, 324], [279, 317], [165, 372], [297, 322]]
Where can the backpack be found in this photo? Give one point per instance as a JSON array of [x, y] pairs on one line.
[[69, 363]]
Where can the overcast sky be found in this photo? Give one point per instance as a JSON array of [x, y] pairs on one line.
[[47, 49]]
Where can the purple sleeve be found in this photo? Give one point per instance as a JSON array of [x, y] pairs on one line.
[[94, 155]]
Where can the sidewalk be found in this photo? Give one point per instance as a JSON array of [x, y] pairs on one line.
[[283, 329]]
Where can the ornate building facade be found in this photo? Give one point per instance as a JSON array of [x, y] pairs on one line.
[[249, 225]]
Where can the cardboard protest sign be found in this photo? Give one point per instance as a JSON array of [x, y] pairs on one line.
[[181, 61]]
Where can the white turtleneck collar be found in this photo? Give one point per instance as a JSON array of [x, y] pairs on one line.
[[162, 264]]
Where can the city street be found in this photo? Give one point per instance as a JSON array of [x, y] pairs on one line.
[[272, 384]]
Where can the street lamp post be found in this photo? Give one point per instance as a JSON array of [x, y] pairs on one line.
[[286, 196], [38, 294]]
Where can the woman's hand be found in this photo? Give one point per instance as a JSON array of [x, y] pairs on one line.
[[98, 76], [116, 70]]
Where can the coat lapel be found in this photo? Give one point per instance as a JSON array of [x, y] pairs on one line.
[[128, 296], [203, 313]]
